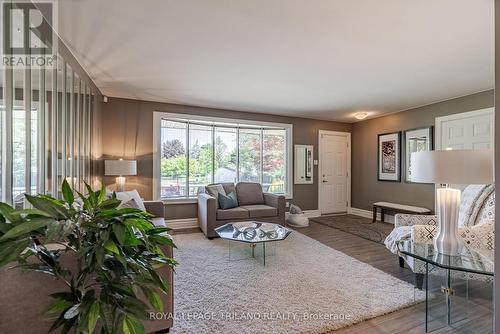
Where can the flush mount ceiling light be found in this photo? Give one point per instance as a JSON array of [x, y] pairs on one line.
[[361, 115]]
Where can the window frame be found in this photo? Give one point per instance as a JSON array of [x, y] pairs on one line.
[[158, 116]]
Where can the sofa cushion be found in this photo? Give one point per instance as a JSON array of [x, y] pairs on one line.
[[228, 202], [260, 210], [249, 193], [234, 213], [214, 190], [228, 187], [159, 222]]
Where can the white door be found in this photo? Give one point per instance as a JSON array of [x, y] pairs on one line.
[[473, 130], [469, 130], [333, 176]]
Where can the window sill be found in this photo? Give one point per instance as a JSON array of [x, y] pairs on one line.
[[182, 200]]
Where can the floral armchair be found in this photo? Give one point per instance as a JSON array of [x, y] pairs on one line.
[[475, 222]]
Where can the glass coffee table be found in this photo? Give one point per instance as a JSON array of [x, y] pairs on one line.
[[449, 281], [249, 239]]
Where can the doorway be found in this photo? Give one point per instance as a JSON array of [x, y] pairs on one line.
[[334, 172]]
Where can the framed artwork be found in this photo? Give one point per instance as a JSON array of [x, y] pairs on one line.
[[416, 140], [389, 157]]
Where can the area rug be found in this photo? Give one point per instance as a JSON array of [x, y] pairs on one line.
[[306, 287], [360, 226]]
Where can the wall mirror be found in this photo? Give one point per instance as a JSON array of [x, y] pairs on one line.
[[303, 164]]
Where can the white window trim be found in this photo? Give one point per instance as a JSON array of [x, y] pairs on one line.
[[159, 115]]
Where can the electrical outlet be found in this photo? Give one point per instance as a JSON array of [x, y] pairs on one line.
[[287, 204]]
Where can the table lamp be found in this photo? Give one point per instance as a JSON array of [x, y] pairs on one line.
[[446, 168], [120, 168]]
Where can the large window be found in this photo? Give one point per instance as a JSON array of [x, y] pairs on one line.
[[193, 152]]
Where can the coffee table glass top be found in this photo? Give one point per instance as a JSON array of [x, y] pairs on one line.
[[469, 260], [253, 232]]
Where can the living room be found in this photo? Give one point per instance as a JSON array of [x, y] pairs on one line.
[[248, 167]]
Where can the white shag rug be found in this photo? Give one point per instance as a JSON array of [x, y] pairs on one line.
[[306, 287]]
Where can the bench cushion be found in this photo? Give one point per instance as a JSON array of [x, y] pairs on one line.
[[403, 207]]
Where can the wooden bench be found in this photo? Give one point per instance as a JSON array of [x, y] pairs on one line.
[[398, 208]]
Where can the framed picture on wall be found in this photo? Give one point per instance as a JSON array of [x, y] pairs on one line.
[[416, 140], [389, 157]]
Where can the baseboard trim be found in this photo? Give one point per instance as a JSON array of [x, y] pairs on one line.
[[180, 224], [369, 214]]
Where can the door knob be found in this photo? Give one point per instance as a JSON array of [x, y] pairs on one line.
[[324, 181]]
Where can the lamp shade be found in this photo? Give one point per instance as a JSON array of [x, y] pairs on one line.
[[452, 167], [120, 167]]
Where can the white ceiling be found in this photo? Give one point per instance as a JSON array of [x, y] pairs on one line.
[[312, 58]]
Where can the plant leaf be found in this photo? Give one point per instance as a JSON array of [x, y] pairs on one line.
[[5, 208], [30, 212], [102, 194], [58, 306], [119, 231], [50, 206], [68, 296], [159, 230], [68, 195], [111, 203], [26, 227], [132, 326], [93, 315], [7, 211], [72, 312], [99, 255], [153, 298], [142, 224], [111, 246], [58, 322], [9, 251]]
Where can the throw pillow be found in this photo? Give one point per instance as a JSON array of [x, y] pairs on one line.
[[228, 202], [125, 196], [132, 204], [214, 190]]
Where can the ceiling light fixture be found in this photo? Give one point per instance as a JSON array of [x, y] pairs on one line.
[[361, 115]]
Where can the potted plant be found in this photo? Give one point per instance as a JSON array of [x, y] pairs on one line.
[[116, 253]]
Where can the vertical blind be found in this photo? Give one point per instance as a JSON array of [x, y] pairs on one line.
[[46, 120]]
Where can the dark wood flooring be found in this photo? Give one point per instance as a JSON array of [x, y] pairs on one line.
[[410, 320]]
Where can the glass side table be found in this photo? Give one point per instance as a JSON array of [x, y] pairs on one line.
[[252, 239], [447, 283]]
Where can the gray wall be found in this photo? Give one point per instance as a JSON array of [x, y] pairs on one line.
[[127, 131], [366, 189]]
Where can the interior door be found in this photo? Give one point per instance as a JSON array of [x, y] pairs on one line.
[[470, 130], [333, 174], [473, 130]]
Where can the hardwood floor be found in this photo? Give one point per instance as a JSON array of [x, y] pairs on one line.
[[410, 320]]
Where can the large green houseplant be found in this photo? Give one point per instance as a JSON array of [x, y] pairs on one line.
[[116, 251]]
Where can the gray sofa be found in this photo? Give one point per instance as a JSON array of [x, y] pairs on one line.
[[253, 203]]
